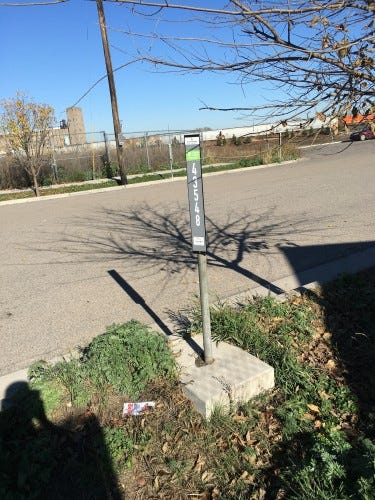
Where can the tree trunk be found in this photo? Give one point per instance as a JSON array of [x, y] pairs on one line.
[[35, 184]]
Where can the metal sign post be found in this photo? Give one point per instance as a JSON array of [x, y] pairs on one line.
[[198, 233]]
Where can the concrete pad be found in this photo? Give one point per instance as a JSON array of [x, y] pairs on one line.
[[235, 376]]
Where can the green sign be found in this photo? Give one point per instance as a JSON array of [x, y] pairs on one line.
[[193, 154]]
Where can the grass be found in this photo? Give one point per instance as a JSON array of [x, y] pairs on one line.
[[312, 436], [57, 190], [145, 177]]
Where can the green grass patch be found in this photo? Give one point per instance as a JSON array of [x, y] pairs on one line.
[[57, 190], [16, 195], [78, 187], [123, 359]]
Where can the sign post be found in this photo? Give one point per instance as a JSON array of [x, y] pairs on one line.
[[198, 233]]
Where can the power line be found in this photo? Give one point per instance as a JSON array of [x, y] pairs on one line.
[[33, 4]]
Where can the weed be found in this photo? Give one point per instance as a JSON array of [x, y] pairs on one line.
[[41, 379], [250, 162], [127, 357], [117, 445]]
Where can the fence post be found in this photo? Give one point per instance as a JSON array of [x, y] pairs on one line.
[[170, 151], [53, 166], [148, 156], [107, 151], [93, 160]]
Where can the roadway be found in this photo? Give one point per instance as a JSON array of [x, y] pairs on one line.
[[69, 266]]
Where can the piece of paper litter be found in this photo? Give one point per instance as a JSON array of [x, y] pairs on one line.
[[137, 408]]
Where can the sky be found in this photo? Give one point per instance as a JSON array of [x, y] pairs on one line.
[[55, 54]]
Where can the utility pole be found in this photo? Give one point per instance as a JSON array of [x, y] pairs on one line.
[[112, 91]]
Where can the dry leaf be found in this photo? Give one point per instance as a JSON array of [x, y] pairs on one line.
[[317, 424], [249, 479], [250, 458], [199, 463], [277, 319], [308, 416], [314, 21], [244, 474], [238, 438], [330, 364], [215, 492], [239, 418], [261, 494], [165, 447], [207, 476], [249, 440], [141, 481], [324, 395], [313, 408]]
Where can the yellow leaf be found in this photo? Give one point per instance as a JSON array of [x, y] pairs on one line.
[[314, 21], [308, 416], [324, 395], [207, 476], [313, 408], [239, 418], [330, 364]]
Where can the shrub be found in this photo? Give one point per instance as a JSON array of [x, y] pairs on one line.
[[235, 140], [110, 169], [250, 162], [247, 140]]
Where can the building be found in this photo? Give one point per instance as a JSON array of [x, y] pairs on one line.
[[71, 132]]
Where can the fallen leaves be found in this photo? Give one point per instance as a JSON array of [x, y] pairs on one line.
[[330, 365], [207, 477], [199, 463], [313, 408]]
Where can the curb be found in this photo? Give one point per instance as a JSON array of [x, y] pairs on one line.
[[314, 277], [139, 184]]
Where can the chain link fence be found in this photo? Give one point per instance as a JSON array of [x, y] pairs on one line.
[[90, 156]]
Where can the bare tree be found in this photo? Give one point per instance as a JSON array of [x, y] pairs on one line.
[[25, 127], [319, 55]]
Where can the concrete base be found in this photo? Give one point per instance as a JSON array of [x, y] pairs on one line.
[[235, 376]]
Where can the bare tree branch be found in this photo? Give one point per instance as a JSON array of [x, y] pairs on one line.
[[318, 53]]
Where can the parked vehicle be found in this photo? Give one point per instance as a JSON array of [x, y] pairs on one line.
[[364, 133]]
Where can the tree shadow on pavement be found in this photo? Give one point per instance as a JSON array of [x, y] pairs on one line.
[[158, 239], [42, 460]]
